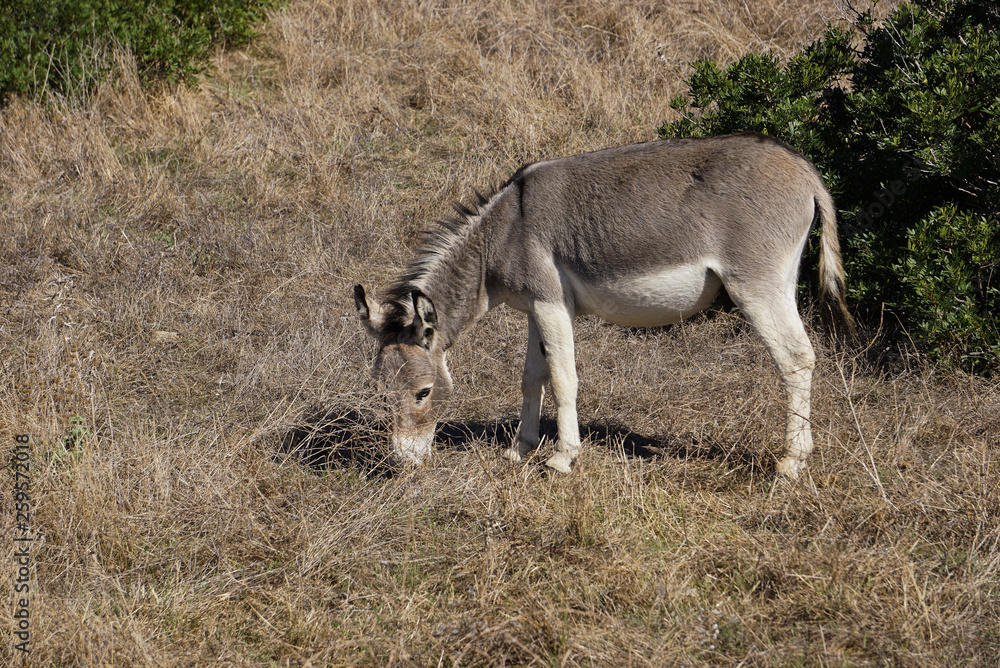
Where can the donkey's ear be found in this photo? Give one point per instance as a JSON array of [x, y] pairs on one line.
[[370, 314], [424, 319]]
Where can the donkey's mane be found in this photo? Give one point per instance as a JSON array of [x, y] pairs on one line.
[[445, 240]]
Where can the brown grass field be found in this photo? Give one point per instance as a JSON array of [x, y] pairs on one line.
[[175, 275]]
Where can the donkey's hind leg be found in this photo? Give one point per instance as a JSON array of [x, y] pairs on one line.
[[776, 320], [533, 379]]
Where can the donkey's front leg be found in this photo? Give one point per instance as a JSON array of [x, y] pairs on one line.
[[536, 374], [555, 327]]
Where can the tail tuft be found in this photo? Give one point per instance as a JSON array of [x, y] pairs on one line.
[[837, 320]]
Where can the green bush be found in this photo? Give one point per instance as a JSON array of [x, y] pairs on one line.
[[905, 129], [66, 45]]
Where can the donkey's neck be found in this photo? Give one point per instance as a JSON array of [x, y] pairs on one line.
[[451, 268], [456, 285]]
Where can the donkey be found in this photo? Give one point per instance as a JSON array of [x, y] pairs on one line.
[[640, 235]]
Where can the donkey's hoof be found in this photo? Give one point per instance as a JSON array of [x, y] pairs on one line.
[[560, 462], [511, 454], [790, 467]]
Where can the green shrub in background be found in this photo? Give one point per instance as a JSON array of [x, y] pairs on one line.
[[903, 121], [66, 45]]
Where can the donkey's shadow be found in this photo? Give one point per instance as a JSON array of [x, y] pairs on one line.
[[349, 437], [461, 435]]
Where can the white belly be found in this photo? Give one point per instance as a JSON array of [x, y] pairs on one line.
[[648, 300]]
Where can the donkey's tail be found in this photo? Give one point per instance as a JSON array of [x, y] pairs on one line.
[[837, 319]]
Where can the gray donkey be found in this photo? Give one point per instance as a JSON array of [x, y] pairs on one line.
[[640, 235]]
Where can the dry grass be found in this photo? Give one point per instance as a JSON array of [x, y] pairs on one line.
[[175, 275]]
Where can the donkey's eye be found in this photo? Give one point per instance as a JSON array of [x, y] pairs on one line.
[[422, 394]]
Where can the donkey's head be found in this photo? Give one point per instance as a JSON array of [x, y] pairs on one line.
[[410, 370]]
